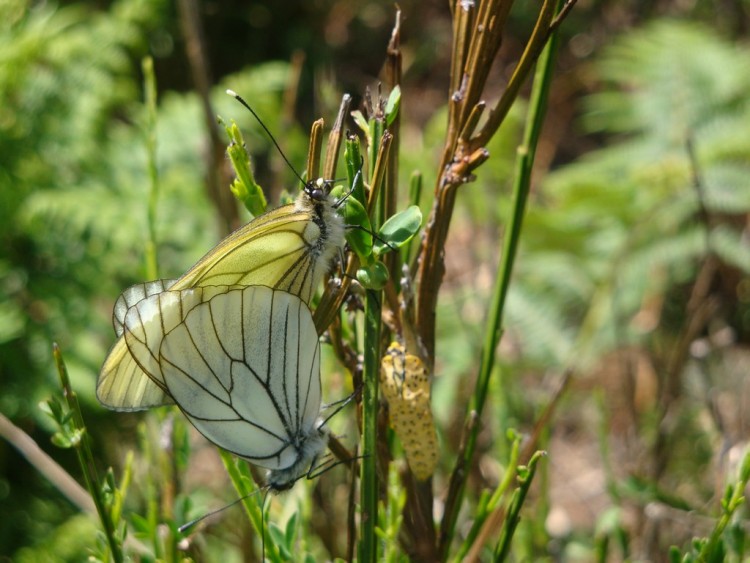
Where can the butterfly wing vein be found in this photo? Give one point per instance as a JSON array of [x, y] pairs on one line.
[[241, 363], [279, 249]]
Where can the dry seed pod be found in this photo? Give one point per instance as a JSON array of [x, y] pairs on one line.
[[406, 387]]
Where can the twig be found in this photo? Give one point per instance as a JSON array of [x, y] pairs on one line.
[[86, 457], [195, 49], [149, 88], [368, 548], [46, 465], [493, 330], [514, 510]]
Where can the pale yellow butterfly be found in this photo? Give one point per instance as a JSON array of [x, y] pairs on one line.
[[289, 248]]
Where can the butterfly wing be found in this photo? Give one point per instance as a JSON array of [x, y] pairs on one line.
[[243, 365], [273, 250], [133, 295], [288, 248], [130, 378], [122, 384]]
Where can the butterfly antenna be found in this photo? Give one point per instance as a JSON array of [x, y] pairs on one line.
[[351, 190], [240, 99], [192, 523]]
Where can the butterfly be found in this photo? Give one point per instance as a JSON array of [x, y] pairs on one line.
[[243, 365], [289, 248]]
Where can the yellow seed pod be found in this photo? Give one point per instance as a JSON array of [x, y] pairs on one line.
[[406, 386]]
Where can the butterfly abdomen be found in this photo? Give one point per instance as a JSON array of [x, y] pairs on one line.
[[311, 444]]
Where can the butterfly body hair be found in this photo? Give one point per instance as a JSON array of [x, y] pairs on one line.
[[309, 447]]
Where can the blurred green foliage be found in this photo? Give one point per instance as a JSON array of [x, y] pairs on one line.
[[612, 248], [628, 222]]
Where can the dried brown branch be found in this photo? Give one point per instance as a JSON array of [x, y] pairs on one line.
[[314, 148], [47, 466], [393, 75], [335, 137], [217, 175], [531, 53], [476, 42]]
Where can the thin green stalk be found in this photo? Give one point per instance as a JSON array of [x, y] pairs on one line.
[[149, 485], [733, 499], [149, 91], [526, 476], [166, 458], [253, 508], [491, 502], [368, 546], [369, 482], [372, 335], [521, 188], [86, 458], [493, 330], [393, 517]]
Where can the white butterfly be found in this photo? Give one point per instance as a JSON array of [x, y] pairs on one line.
[[288, 248], [242, 363]]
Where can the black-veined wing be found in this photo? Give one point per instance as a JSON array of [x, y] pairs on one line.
[[288, 248], [133, 295], [243, 364]]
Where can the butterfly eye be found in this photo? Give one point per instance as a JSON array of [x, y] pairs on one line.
[[318, 190]]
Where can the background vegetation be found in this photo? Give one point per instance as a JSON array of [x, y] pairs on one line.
[[625, 353]]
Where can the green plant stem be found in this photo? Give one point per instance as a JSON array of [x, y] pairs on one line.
[[253, 508], [732, 500], [491, 502], [86, 457], [493, 330], [372, 352], [521, 188], [514, 510], [149, 88]]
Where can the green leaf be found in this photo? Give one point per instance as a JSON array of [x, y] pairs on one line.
[[61, 441], [291, 530], [398, 230], [392, 106], [373, 276], [140, 525], [415, 187], [361, 122], [52, 408], [745, 468], [277, 536], [359, 229]]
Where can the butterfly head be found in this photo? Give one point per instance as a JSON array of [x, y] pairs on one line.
[[319, 189]]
